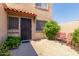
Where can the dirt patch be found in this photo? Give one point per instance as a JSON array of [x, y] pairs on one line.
[[46, 47]]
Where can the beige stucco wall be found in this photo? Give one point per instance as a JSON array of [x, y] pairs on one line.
[[41, 15], [69, 27], [30, 7], [3, 24]]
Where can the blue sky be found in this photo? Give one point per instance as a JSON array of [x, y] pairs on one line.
[[65, 12]]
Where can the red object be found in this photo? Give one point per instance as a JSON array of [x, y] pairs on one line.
[[65, 36]]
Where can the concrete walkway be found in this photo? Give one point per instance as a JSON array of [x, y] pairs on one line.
[[25, 49]]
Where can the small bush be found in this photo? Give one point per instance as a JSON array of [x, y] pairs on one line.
[[51, 29], [13, 42], [75, 36], [4, 50]]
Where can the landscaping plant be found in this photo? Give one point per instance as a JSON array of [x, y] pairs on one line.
[[4, 50], [13, 42], [75, 37], [51, 29]]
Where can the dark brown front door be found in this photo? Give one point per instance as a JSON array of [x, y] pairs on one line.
[[25, 29]]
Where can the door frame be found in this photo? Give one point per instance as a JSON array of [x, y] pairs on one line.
[[21, 27]]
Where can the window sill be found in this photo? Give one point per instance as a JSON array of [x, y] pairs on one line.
[[45, 9], [39, 31]]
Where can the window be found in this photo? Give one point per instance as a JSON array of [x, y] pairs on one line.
[[40, 25], [42, 5], [13, 23]]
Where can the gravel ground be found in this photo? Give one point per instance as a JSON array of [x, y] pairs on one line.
[[45, 47]]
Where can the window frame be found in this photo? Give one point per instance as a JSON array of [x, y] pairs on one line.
[[11, 21], [40, 7], [39, 30]]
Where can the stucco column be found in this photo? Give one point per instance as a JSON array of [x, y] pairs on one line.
[[3, 23], [33, 28]]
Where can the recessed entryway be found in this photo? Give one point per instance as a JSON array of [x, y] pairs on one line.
[[26, 29]]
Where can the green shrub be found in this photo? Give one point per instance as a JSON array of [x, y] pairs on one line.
[[75, 36], [4, 50], [13, 42], [51, 29]]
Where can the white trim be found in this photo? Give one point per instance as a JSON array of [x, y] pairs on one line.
[[19, 26]]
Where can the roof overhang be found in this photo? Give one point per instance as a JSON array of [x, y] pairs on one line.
[[18, 12]]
